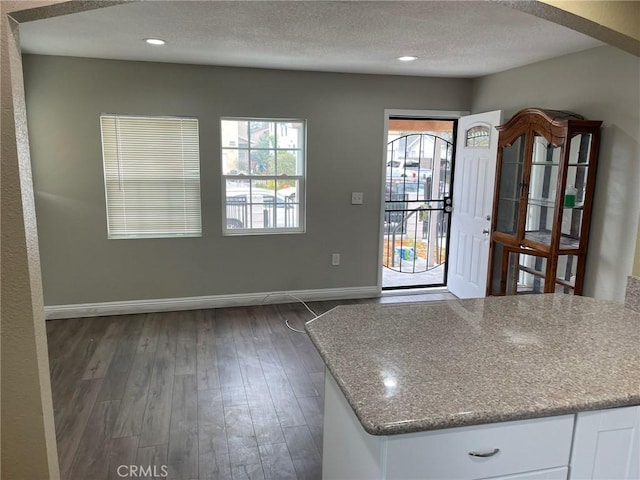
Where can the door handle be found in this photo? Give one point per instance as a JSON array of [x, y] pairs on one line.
[[485, 231]]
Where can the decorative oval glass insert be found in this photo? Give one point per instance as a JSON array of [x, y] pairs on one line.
[[477, 137]]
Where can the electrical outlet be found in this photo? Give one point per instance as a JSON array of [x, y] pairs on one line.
[[357, 198], [335, 259]]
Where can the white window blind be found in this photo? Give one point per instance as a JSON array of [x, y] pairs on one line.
[[152, 176]]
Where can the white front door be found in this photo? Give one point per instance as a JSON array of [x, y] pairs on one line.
[[473, 184]]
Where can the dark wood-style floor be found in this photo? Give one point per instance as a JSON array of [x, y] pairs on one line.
[[208, 394]]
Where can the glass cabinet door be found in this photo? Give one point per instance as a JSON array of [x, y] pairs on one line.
[[575, 191], [566, 273], [542, 190], [525, 272], [509, 189]]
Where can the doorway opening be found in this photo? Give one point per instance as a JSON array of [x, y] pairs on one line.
[[417, 201]]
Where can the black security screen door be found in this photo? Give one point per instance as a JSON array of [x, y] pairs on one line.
[[417, 202]]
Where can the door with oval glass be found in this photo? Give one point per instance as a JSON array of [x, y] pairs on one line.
[[474, 174]]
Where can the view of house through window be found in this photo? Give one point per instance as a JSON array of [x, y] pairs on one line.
[[263, 169], [151, 176]]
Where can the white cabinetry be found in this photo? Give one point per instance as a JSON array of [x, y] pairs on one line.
[[535, 449], [552, 474], [607, 445], [481, 451]]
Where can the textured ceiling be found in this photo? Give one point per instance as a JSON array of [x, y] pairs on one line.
[[451, 38]]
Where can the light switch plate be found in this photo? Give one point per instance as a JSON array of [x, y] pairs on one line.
[[357, 198]]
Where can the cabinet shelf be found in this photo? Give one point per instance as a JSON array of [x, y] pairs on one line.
[[556, 164], [541, 202], [509, 199], [544, 238], [539, 245]]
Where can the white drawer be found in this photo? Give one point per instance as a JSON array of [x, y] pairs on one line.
[[523, 446]]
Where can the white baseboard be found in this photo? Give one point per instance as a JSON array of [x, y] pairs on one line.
[[54, 312]]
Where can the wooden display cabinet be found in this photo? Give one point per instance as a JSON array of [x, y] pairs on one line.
[[545, 179]]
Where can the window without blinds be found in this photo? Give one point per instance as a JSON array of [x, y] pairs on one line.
[[263, 175], [151, 176]]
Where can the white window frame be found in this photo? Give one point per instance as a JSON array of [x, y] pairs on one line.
[[151, 192], [300, 179]]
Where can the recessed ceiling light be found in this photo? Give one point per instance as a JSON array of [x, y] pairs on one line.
[[154, 41], [407, 58]]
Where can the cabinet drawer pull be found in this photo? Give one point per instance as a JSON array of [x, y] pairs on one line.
[[485, 454]]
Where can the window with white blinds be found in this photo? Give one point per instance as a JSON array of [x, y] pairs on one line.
[[151, 176]]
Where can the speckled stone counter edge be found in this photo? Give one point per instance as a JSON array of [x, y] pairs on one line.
[[632, 295], [440, 422], [444, 422]]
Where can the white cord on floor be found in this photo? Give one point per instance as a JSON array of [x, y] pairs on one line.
[[286, 321]]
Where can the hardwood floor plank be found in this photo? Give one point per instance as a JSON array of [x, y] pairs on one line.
[[211, 409], [292, 364], [318, 381], [285, 402], [311, 360], [313, 410], [257, 316], [115, 380], [103, 353], [282, 394], [298, 315], [155, 457], [92, 458], [157, 414], [234, 396], [266, 424], [229, 372], [59, 333], [247, 472], [249, 361], [243, 448], [183, 437], [224, 322], [186, 344], [304, 454], [73, 421], [265, 420], [276, 462], [310, 357], [149, 337], [122, 451], [134, 398], [167, 334], [206, 358], [227, 355], [70, 368], [213, 452]]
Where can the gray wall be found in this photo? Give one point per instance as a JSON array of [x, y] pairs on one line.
[[600, 84], [345, 115]]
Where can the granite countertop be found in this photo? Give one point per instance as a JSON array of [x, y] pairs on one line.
[[426, 366]]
